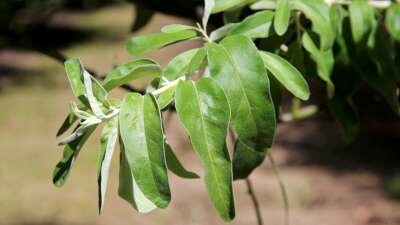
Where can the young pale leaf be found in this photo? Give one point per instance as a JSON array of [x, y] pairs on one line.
[[173, 28], [222, 31], [89, 93], [257, 25], [73, 68], [286, 74], [282, 16], [143, 44], [324, 61], [239, 70], [107, 142], [128, 188], [131, 71], [263, 4], [392, 21], [75, 73], [362, 19], [318, 12], [175, 166], [208, 7], [71, 151], [142, 136], [204, 111], [68, 122]]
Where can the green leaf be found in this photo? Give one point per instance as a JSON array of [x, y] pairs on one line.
[[175, 166], [73, 68], [128, 188], [222, 31], [146, 43], [142, 136], [263, 4], [318, 12], [68, 122], [286, 74], [223, 5], [75, 72], [324, 61], [257, 25], [208, 7], [239, 70], [362, 19], [173, 28], [346, 113], [392, 21], [108, 140], [204, 111], [184, 64], [125, 73], [71, 151], [282, 16], [179, 65]]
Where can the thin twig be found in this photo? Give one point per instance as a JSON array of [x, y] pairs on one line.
[[255, 201], [282, 187]]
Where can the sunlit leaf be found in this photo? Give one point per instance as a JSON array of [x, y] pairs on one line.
[[128, 72], [239, 69], [362, 19], [204, 112], [392, 21], [142, 44], [142, 136], [282, 16], [107, 144], [286, 74]]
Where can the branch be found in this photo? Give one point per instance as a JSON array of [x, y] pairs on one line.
[[253, 196]]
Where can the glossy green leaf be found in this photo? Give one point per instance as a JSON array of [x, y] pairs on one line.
[[318, 12], [146, 43], [173, 28], [125, 73], [222, 31], [108, 140], [68, 122], [71, 151], [204, 111], [223, 5], [128, 188], [165, 98], [282, 16], [324, 61], [179, 65], [362, 19], [142, 136], [257, 25], [286, 74], [174, 165], [263, 4], [239, 70], [392, 21]]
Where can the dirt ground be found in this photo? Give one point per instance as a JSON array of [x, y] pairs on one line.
[[328, 181]]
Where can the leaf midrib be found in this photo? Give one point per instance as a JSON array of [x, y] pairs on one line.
[[211, 158]]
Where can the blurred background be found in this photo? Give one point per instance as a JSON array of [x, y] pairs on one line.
[[329, 181]]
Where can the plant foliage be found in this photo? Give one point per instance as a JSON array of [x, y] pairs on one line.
[[232, 83]]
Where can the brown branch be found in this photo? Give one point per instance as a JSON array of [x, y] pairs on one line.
[[253, 196]]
